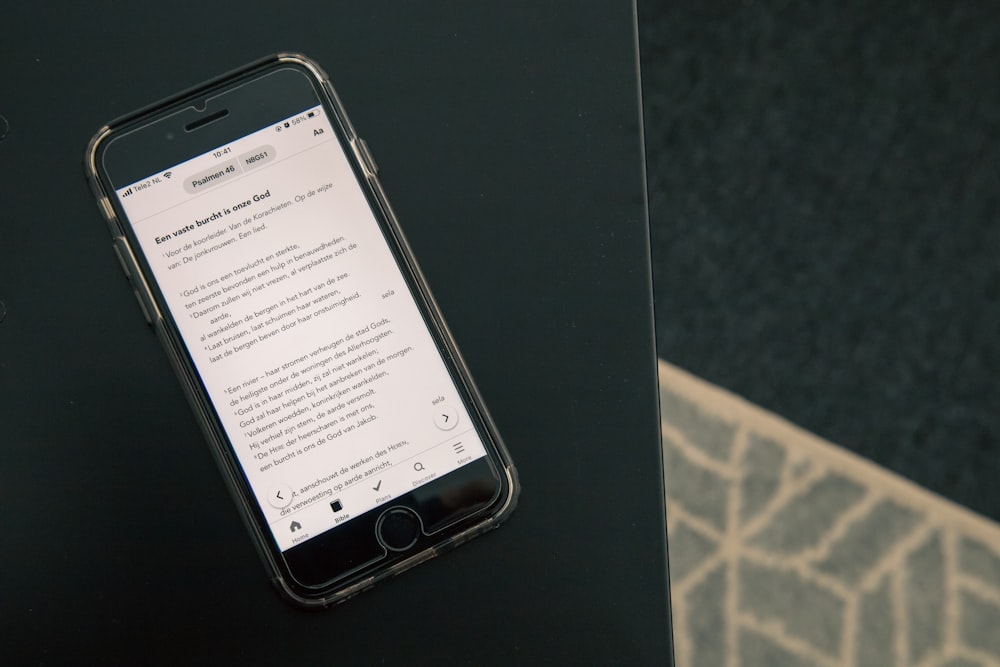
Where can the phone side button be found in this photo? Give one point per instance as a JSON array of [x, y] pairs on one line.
[[142, 306], [109, 216], [121, 260], [366, 154]]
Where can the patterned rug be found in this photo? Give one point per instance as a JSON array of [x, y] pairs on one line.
[[788, 550]]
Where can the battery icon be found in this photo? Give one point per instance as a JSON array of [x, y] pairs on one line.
[[310, 114]]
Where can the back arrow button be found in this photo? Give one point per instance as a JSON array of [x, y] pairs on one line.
[[280, 496]]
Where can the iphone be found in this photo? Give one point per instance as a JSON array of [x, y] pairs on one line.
[[249, 219]]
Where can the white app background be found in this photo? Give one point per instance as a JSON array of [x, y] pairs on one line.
[[304, 332]]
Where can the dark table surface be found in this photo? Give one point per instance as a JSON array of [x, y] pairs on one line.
[[509, 140]]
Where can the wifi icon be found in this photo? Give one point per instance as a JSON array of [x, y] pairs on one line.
[[168, 174]]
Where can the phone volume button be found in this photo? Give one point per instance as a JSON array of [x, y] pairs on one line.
[[142, 306], [121, 260], [366, 156], [109, 216]]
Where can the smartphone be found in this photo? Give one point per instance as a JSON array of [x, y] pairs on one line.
[[254, 231]]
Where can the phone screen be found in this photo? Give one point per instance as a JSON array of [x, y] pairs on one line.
[[302, 327]]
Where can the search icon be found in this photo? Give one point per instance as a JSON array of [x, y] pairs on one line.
[[418, 466]]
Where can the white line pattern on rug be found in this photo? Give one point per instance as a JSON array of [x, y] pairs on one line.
[[788, 550]]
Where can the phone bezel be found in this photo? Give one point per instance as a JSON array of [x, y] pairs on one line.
[[138, 134]]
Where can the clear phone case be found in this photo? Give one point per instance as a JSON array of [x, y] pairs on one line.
[[169, 338]]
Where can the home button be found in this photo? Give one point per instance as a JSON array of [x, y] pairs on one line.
[[398, 528]]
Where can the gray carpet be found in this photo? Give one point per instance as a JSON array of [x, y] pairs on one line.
[[824, 184], [787, 550]]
